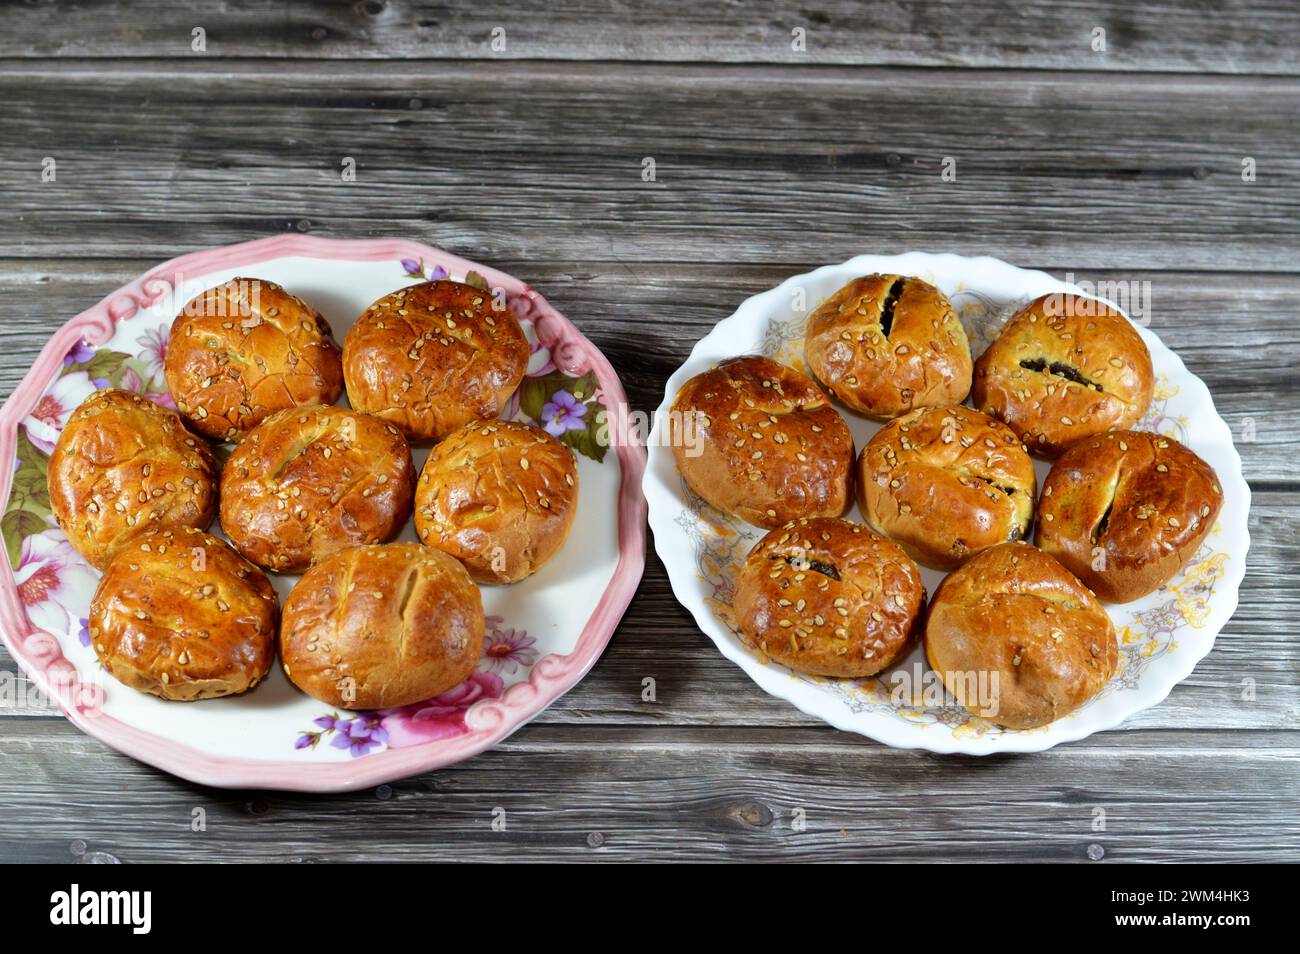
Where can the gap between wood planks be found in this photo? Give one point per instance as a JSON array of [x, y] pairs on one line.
[[632, 70]]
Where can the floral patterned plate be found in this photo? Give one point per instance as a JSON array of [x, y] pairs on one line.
[[1161, 636], [543, 634]]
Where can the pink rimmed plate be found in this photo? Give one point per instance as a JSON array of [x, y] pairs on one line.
[[1162, 636], [543, 633]]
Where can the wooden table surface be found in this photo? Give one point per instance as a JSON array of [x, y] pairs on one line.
[[1122, 163]]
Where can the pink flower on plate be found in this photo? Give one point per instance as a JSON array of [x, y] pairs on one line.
[[51, 413], [130, 381], [441, 717], [506, 650], [539, 360], [54, 582], [153, 349]]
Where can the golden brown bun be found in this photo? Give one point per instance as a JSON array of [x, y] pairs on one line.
[[771, 449], [945, 483], [1064, 368], [308, 482], [1125, 511], [499, 496], [244, 350], [382, 626], [830, 598], [1012, 631], [123, 464], [181, 615], [432, 357], [885, 344]]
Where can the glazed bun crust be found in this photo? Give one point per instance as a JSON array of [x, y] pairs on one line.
[[382, 626], [828, 597], [244, 350], [885, 344], [180, 615], [1125, 511], [124, 464], [430, 358], [1064, 368], [500, 496], [945, 483], [771, 447], [308, 482], [1016, 620]]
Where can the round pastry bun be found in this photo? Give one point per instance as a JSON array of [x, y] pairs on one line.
[[1017, 639], [433, 357], [310, 481], [180, 615], [241, 351], [945, 483], [382, 626], [499, 496], [123, 464], [1125, 511], [1064, 368], [885, 344], [828, 597], [759, 440]]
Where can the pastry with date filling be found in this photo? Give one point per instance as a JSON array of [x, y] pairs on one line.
[[1125, 511], [1064, 368], [432, 357], [180, 615], [885, 344], [241, 351], [123, 464], [759, 440], [1017, 639], [309, 481], [945, 483], [828, 597]]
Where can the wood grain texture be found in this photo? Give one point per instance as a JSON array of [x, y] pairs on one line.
[[1116, 166], [752, 165], [1239, 36], [656, 794]]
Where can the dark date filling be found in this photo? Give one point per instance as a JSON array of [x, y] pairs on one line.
[[1009, 491], [1060, 369], [1099, 531], [817, 566], [891, 302]]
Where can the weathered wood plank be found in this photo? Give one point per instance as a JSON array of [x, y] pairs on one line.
[[662, 795], [753, 164], [1230, 37]]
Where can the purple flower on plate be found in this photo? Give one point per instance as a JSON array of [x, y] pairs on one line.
[[415, 268], [79, 353], [563, 413], [84, 633], [358, 735]]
